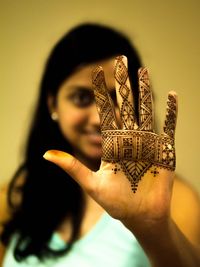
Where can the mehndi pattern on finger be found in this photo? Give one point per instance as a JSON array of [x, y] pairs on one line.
[[171, 116], [103, 101], [135, 148], [124, 91], [145, 101]]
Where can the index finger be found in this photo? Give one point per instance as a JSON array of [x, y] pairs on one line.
[[103, 101]]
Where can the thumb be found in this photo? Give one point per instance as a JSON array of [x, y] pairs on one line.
[[79, 172]]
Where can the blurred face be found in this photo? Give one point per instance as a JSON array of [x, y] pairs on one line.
[[77, 114]]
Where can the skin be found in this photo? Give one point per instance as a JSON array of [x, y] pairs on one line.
[[77, 113], [159, 205], [80, 124]]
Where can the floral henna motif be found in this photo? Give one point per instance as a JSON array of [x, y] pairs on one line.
[[135, 147]]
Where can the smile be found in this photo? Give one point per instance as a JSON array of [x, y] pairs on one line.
[[93, 137]]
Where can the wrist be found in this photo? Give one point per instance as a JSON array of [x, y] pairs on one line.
[[150, 229], [165, 244]]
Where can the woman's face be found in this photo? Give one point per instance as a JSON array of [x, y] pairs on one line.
[[77, 114]]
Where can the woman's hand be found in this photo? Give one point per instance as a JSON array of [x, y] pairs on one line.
[[134, 182], [135, 179]]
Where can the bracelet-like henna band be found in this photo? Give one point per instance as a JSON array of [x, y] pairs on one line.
[[126, 145]]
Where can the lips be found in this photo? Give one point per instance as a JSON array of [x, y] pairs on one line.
[[94, 138]]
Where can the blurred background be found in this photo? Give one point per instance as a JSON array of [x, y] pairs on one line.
[[166, 34]]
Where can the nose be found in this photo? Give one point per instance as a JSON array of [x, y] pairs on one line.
[[93, 115]]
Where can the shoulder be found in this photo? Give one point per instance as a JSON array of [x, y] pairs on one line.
[[10, 196], [4, 214], [185, 209], [2, 253]]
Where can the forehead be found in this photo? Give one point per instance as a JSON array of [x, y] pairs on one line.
[[82, 76]]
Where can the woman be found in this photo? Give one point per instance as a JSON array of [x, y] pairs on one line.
[[55, 220]]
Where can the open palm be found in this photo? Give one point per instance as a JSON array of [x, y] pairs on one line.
[[135, 178]]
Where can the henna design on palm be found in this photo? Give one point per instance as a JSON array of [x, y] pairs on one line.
[[134, 146]]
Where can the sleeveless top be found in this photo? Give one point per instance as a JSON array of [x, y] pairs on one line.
[[108, 243]]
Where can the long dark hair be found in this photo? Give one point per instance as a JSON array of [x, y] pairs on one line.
[[49, 194]]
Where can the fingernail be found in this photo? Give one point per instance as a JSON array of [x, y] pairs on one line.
[[124, 59], [47, 155], [55, 153]]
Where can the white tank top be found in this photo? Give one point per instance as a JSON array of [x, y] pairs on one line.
[[107, 244]]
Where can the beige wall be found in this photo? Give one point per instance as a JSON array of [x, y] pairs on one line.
[[166, 33]]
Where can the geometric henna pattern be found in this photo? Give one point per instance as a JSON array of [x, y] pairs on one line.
[[134, 171], [137, 146], [134, 148], [145, 101], [155, 172], [170, 121], [124, 94], [103, 100], [116, 168]]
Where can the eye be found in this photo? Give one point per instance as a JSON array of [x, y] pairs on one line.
[[82, 98]]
